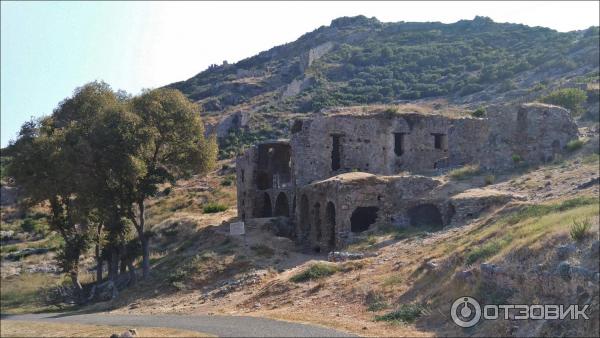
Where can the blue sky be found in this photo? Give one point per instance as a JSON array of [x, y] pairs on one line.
[[50, 48]]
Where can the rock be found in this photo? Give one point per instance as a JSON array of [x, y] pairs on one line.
[[564, 270], [17, 255], [464, 275], [583, 273], [341, 256], [489, 270], [431, 265], [564, 251], [589, 183], [6, 235]]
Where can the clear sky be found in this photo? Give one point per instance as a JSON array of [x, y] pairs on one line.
[[50, 48]]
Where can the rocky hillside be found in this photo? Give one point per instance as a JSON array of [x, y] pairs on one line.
[[359, 60]]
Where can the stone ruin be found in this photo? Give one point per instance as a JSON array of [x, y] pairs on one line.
[[344, 173]]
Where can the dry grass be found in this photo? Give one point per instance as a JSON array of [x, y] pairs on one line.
[[16, 328], [26, 293]]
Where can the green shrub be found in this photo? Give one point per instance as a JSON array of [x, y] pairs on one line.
[[228, 181], [406, 313], [485, 251], [489, 179], [574, 145], [34, 225], [213, 207], [464, 172], [580, 229], [315, 271], [263, 250], [517, 158], [570, 98], [479, 112]]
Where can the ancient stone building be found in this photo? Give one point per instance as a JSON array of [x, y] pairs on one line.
[[342, 173]]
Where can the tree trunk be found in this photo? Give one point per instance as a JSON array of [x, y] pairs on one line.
[[76, 285], [114, 265], [123, 268], [145, 241], [99, 261], [145, 256], [132, 275]]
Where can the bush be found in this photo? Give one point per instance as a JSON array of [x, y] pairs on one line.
[[212, 208], [315, 271], [263, 250], [489, 179], [574, 145], [479, 112], [228, 181], [406, 313], [517, 158], [485, 251], [464, 172], [570, 98], [580, 229]]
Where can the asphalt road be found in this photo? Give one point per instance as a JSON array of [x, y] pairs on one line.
[[222, 326]]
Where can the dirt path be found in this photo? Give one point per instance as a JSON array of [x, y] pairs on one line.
[[222, 326]]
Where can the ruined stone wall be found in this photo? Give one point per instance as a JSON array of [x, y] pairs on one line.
[[534, 132], [370, 144], [264, 181], [347, 195]]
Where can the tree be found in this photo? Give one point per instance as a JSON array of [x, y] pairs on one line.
[[174, 146], [40, 168], [570, 98]]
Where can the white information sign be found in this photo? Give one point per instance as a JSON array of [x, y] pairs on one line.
[[237, 228]]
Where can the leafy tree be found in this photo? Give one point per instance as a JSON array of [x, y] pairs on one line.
[[40, 168], [174, 146], [570, 98]]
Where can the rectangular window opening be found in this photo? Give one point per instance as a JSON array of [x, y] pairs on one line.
[[440, 141], [335, 152], [399, 143]]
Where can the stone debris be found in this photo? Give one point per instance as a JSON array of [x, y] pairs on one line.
[[342, 256]]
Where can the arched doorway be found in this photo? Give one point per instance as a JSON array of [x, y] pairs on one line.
[[317, 231], [267, 210], [362, 218], [303, 217], [330, 223], [426, 216], [282, 207]]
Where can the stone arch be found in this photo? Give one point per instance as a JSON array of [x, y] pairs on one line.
[[264, 208], [317, 231], [426, 216], [303, 216], [330, 223], [362, 218], [282, 206]]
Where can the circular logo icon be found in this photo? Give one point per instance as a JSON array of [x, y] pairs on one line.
[[466, 312]]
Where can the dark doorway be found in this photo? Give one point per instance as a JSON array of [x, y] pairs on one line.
[[282, 206], [335, 152], [362, 218], [439, 141], [266, 207], [426, 216], [399, 143], [330, 219], [304, 221]]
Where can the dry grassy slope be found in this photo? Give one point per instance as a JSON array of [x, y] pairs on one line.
[[199, 269]]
